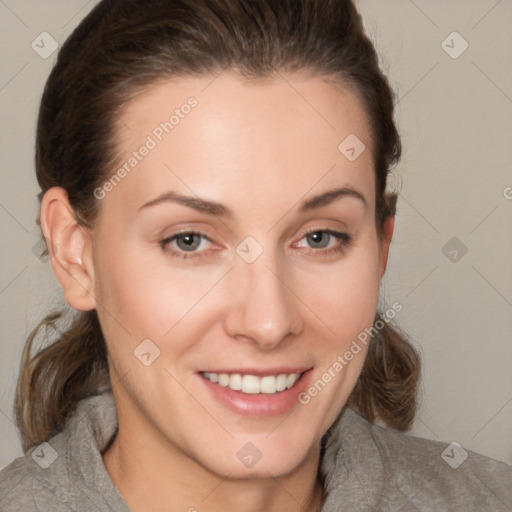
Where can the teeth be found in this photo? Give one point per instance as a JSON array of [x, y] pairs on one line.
[[224, 379], [281, 382], [291, 380], [235, 382], [253, 385], [250, 384], [268, 384]]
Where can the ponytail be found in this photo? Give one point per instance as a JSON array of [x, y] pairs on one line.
[[56, 378], [388, 385]]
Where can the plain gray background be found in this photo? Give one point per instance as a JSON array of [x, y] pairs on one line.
[[455, 182]]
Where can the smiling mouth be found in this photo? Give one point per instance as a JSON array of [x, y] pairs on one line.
[[252, 384]]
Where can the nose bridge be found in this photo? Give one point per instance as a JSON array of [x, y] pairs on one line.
[[263, 308]]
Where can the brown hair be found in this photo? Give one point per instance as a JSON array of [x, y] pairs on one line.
[[123, 46]]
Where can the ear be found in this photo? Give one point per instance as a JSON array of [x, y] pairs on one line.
[[69, 247], [387, 235]]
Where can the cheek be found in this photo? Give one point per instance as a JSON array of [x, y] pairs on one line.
[[140, 296], [340, 364], [345, 301], [345, 295]]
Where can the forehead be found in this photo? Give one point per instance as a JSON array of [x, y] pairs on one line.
[[228, 138]]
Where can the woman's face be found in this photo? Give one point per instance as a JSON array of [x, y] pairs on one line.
[[280, 278]]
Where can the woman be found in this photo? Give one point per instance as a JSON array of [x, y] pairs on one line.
[[213, 178]]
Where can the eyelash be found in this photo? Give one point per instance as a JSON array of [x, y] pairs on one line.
[[344, 241]]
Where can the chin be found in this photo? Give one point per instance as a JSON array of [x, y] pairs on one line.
[[258, 458]]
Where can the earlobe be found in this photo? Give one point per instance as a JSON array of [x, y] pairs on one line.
[[69, 249], [387, 235]]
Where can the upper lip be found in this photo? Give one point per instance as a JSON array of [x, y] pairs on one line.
[[260, 372]]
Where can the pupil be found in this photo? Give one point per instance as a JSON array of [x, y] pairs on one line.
[[189, 241], [317, 237]]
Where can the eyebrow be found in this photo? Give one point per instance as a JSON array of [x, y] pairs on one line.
[[219, 210]]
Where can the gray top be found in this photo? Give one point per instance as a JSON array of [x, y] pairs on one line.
[[365, 468]]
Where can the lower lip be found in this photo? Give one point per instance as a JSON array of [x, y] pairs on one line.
[[261, 404]]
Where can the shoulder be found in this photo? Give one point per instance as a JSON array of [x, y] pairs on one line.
[[29, 482], [66, 473], [420, 474], [13, 484], [446, 472]]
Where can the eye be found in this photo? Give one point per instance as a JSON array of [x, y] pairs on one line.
[[327, 241], [190, 244], [185, 242]]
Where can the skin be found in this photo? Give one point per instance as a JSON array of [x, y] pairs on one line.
[[260, 148]]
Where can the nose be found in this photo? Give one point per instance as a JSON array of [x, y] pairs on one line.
[[264, 308]]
